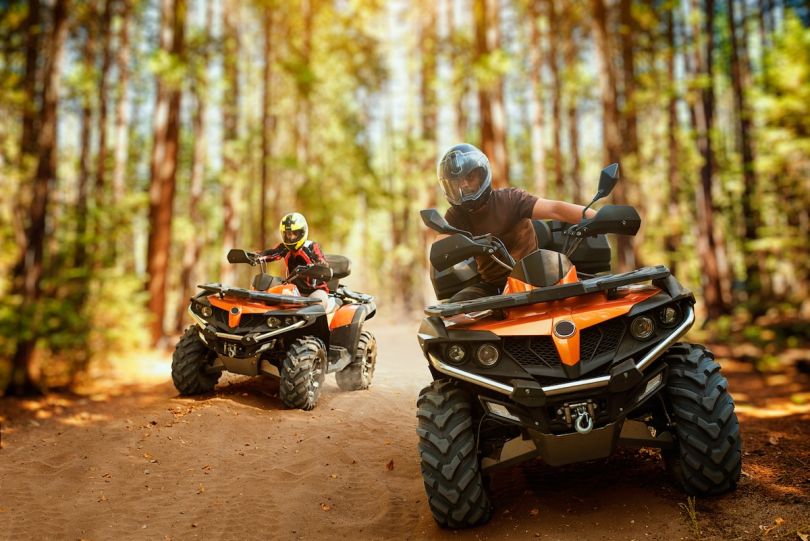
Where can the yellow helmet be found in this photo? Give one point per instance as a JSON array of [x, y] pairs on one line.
[[293, 229]]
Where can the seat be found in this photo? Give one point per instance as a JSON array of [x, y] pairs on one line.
[[341, 268]]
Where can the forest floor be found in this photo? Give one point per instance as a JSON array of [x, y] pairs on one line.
[[129, 459]]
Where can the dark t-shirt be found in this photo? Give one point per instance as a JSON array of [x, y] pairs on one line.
[[507, 215]]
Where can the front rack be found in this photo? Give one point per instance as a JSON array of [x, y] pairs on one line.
[[267, 298], [551, 293]]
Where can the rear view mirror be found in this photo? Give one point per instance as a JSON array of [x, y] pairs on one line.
[[434, 220], [607, 180], [239, 256]]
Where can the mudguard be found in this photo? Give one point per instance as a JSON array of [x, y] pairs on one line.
[[347, 324]]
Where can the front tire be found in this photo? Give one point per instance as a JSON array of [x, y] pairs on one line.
[[190, 358], [357, 375], [707, 456], [449, 462], [302, 373]]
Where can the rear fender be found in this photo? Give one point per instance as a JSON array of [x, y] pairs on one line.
[[346, 326]]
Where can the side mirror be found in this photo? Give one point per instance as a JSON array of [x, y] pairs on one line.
[[607, 180], [434, 220], [239, 256]]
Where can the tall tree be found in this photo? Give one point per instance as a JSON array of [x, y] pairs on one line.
[[85, 133], [193, 246], [704, 117], [122, 60], [164, 161], [556, 100], [610, 117], [673, 174], [31, 264], [268, 126], [536, 99], [740, 80], [101, 157], [230, 130], [570, 55]]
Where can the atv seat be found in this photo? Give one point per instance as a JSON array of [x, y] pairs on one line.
[[341, 268]]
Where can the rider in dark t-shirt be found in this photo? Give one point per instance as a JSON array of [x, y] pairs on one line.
[[466, 179]]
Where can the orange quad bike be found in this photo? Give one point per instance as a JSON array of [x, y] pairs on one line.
[[567, 364], [271, 329]]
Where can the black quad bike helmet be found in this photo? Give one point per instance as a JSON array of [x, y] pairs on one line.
[[465, 176]]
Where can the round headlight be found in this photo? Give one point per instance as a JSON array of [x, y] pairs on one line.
[[456, 353], [642, 328], [289, 320], [487, 355], [668, 316], [273, 322], [206, 311]]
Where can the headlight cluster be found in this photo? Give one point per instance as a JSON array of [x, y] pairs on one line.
[[643, 327], [203, 309], [486, 354], [275, 322]]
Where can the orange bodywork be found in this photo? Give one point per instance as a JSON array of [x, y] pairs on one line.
[[583, 311], [343, 316], [245, 306]]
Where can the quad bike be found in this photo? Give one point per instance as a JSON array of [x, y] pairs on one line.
[[565, 365], [273, 330]]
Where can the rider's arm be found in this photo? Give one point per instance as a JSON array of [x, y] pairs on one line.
[[549, 209], [272, 254], [316, 254]]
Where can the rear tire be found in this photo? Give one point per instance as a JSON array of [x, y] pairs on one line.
[[190, 358], [707, 456], [357, 375], [449, 462], [302, 373]]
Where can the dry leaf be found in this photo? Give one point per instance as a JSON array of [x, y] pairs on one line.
[[390, 465], [803, 536], [333, 476], [201, 489], [326, 506], [779, 521], [103, 498], [534, 512]]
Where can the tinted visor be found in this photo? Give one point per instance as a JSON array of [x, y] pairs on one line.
[[464, 175], [291, 237]]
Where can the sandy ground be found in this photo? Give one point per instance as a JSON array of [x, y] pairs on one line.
[[134, 461]]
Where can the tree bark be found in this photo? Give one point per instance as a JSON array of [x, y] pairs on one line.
[[556, 101], [536, 100], [610, 122], [121, 151], [100, 197], [427, 91], [500, 153], [164, 166], [570, 54], [268, 125], [31, 265], [673, 235], [740, 79], [230, 135], [85, 133]]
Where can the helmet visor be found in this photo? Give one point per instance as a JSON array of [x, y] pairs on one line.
[[289, 236], [468, 187]]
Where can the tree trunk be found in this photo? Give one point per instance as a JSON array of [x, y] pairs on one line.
[[164, 166], [427, 199], [460, 82], [706, 242], [500, 155], [32, 257], [556, 101], [536, 100], [570, 54], [610, 122], [630, 139], [192, 249], [740, 79], [230, 135], [85, 133], [268, 124], [101, 201], [122, 118], [673, 235]]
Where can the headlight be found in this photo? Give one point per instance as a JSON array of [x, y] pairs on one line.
[[487, 355], [456, 353], [289, 320], [206, 311], [273, 322], [642, 328], [669, 316]]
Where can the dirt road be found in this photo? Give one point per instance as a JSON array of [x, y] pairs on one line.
[[135, 461]]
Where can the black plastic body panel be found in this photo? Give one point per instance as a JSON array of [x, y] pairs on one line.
[[450, 281], [591, 257]]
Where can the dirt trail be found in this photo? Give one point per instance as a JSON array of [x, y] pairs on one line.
[[138, 462]]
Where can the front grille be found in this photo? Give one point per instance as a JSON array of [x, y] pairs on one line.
[[246, 321], [600, 339], [534, 351]]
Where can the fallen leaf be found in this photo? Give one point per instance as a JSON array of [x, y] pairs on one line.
[[103, 498], [803, 536], [147, 456], [326, 506], [779, 521], [333, 476], [534, 512], [201, 489], [390, 465]]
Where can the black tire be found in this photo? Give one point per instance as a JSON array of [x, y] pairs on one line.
[[707, 457], [190, 358], [302, 373], [449, 462], [357, 375]]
